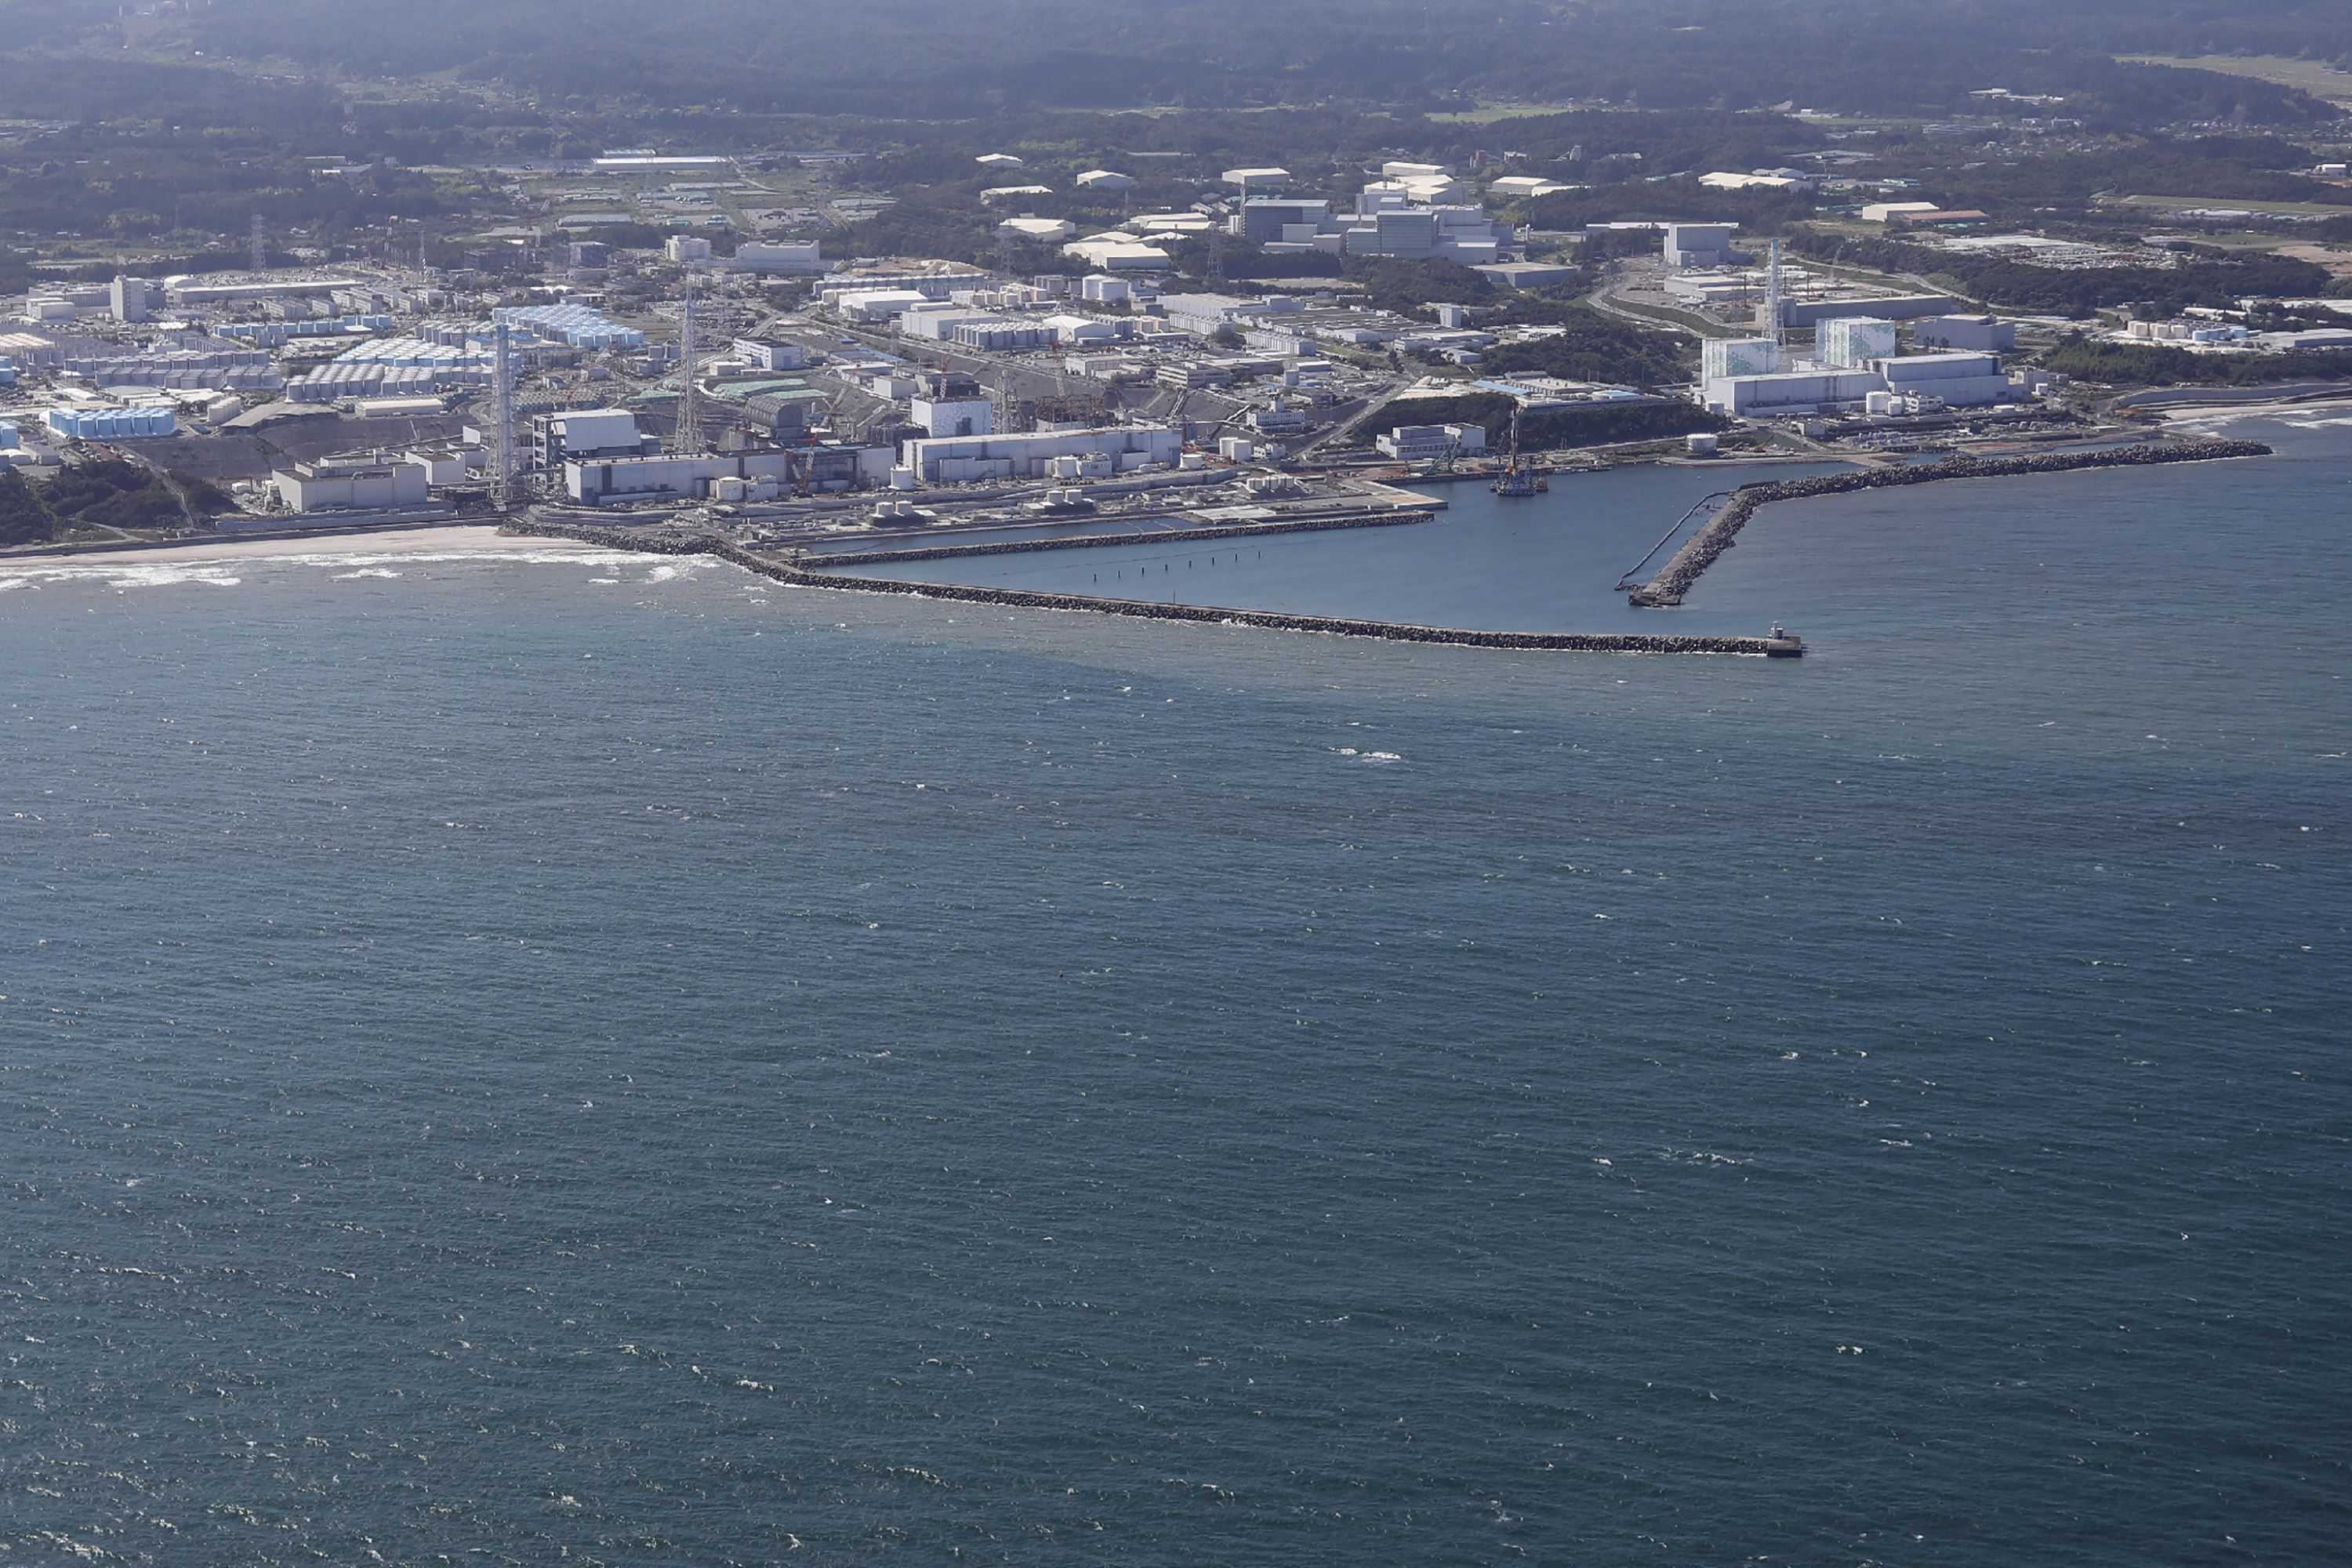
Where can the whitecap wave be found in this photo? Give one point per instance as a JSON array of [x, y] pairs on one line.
[[385, 572]]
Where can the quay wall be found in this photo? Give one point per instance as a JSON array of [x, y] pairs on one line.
[[828, 561], [1683, 569], [680, 544]]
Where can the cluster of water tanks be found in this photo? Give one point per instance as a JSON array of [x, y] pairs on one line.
[[898, 512], [578, 325], [111, 424], [335, 383], [269, 334]]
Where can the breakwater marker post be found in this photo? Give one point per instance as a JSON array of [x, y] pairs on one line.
[[1703, 549]]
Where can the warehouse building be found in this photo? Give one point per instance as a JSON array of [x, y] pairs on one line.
[[1889, 307], [1118, 253], [1986, 334], [1104, 180], [1258, 181]]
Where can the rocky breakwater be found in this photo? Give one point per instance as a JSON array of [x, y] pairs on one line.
[[1675, 578], [670, 542]]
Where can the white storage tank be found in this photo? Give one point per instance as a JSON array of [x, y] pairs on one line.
[[1701, 445], [1190, 460]]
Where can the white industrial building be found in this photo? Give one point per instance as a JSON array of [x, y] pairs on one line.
[[687, 249], [993, 160], [728, 477], [580, 433], [950, 417], [1075, 332], [1850, 342], [801, 257], [763, 353], [1887, 212], [1104, 180], [130, 298], [1046, 230], [1258, 181], [1428, 443], [1988, 334], [1120, 448], [877, 305], [370, 483], [1101, 288], [1525, 274], [1525, 187], [1720, 357], [1119, 253], [1699, 243], [1959, 378], [1788, 391]]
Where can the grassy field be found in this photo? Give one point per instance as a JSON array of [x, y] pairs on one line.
[[2313, 76], [1489, 114], [2282, 209]]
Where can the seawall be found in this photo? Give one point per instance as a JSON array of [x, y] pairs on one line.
[[678, 543], [1098, 540], [1700, 551]]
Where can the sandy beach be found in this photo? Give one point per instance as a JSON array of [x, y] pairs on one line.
[[2328, 411], [462, 538]]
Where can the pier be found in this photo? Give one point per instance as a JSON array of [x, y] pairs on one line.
[[1684, 568], [799, 577], [1313, 525]]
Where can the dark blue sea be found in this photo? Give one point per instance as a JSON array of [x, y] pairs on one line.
[[585, 1057]]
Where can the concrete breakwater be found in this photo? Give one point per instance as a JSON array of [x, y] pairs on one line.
[[828, 561], [1683, 569], [670, 543]]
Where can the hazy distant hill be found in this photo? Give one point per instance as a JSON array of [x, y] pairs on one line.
[[928, 58]]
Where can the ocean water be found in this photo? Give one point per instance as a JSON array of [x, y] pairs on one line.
[[609, 1060], [1532, 563]]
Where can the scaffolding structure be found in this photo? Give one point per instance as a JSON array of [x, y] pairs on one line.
[[687, 438], [502, 442]]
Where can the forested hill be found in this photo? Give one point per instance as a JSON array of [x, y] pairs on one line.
[[929, 58]]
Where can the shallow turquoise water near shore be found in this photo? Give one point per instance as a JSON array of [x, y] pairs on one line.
[[682, 1070]]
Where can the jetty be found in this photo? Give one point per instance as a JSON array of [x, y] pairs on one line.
[[1685, 567], [798, 575]]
